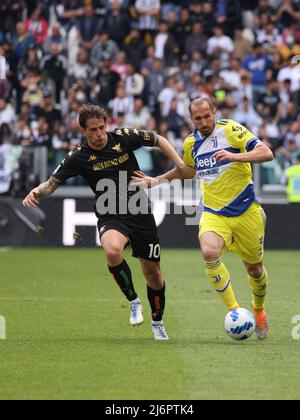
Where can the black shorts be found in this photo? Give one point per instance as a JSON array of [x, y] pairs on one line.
[[141, 231]]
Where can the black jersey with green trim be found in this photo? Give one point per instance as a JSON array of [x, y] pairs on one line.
[[107, 164]]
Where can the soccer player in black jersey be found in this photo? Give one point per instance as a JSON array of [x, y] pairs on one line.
[[108, 157]]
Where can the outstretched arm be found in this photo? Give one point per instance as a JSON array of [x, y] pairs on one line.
[[142, 180], [42, 191], [170, 152], [260, 154]]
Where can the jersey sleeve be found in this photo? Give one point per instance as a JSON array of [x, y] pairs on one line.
[[188, 152], [134, 139], [67, 169], [241, 138]]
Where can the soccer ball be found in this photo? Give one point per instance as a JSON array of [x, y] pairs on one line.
[[240, 324]]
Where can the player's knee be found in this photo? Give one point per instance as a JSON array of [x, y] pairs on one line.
[[255, 271], [210, 253], [114, 255]]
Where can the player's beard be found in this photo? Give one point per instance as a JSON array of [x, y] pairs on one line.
[[207, 132]]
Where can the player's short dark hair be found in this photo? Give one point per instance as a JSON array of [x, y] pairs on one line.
[[208, 100], [91, 111]]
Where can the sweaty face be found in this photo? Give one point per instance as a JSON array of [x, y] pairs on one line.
[[204, 118], [95, 133]]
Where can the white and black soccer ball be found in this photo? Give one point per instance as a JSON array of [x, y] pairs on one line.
[[240, 324]]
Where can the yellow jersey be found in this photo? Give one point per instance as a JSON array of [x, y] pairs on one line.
[[227, 187]]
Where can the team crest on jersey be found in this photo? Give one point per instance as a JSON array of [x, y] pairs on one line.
[[92, 158], [215, 143], [118, 148]]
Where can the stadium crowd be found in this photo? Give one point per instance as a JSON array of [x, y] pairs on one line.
[[144, 60]]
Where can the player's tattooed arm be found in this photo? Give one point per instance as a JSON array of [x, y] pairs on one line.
[[42, 191]]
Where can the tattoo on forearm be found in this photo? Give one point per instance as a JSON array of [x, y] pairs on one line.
[[48, 188]]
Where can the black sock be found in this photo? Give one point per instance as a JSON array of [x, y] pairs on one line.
[[157, 302], [123, 277]]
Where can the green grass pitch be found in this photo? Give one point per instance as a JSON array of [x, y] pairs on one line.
[[68, 332]]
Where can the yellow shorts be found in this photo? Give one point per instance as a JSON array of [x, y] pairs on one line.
[[243, 234]]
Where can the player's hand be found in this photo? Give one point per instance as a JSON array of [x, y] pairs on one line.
[[187, 172], [225, 156], [143, 181], [32, 199]]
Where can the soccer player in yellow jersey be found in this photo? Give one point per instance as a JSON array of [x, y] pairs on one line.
[[221, 152]]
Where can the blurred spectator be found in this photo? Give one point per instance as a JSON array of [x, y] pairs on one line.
[[288, 44], [68, 11], [183, 100], [55, 67], [135, 48], [165, 46], [167, 7], [220, 44], [293, 182], [148, 15], [232, 74], [271, 98], [120, 65], [7, 113], [122, 102], [288, 13], [139, 117], [166, 96], [22, 40], [292, 73], [81, 68], [208, 17], [155, 83], [103, 46], [41, 134], [134, 81], [197, 40], [37, 26], [33, 95], [183, 30], [10, 14], [89, 26], [288, 155], [198, 62], [49, 111], [174, 120], [6, 134], [118, 22], [247, 116], [56, 35], [105, 83], [242, 45], [258, 65], [196, 10]]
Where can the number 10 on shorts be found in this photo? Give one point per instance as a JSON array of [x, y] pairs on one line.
[[154, 251]]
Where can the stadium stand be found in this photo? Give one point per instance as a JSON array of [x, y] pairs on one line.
[[144, 60]]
